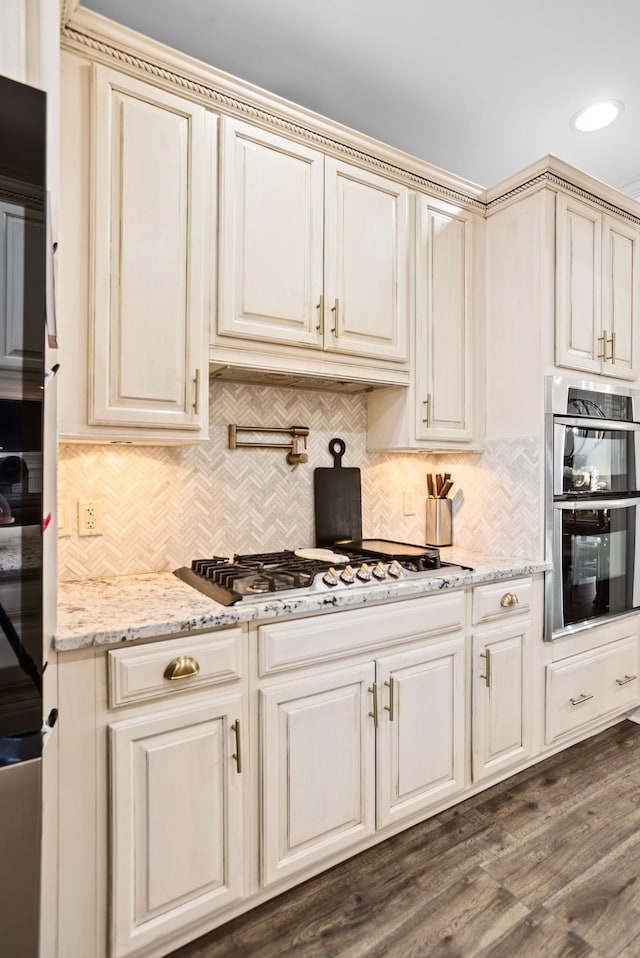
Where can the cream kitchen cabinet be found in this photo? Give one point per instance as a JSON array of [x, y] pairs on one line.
[[421, 728], [502, 713], [584, 689], [598, 290], [176, 786], [177, 819], [318, 744], [355, 749], [138, 195], [443, 406], [154, 851], [313, 261]]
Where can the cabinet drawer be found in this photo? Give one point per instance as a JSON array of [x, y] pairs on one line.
[[287, 645], [590, 686], [138, 674], [501, 598]]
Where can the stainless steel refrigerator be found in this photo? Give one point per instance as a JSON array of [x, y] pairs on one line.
[[22, 331]]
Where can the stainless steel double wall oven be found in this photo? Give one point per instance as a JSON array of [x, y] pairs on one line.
[[592, 503]]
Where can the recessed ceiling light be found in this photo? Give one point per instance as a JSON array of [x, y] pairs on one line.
[[596, 116]]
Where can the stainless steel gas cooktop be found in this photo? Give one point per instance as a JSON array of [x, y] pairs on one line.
[[349, 566]]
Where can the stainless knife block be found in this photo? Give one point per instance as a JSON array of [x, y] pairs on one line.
[[439, 522]]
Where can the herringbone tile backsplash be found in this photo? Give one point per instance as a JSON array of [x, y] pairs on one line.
[[163, 506]]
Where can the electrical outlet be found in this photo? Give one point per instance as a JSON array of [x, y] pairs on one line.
[[64, 517], [90, 517], [409, 502]]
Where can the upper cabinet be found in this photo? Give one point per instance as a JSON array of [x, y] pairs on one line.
[[597, 290], [271, 241], [137, 211], [366, 243], [562, 293], [313, 261], [443, 407]]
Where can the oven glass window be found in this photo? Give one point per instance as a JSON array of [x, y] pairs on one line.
[[598, 547], [598, 461]]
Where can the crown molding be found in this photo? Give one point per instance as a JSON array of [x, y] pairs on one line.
[[95, 37], [68, 9], [89, 34], [550, 171]]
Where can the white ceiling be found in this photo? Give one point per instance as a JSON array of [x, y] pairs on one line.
[[481, 88]]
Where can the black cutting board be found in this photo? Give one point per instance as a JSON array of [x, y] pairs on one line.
[[337, 499]]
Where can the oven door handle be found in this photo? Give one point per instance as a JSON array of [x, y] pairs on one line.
[[595, 424], [592, 505]]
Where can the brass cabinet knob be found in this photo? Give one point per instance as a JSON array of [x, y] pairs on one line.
[[184, 667], [508, 600]]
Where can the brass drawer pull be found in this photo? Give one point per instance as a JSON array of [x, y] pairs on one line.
[[390, 707], [583, 697], [184, 667], [486, 655], [603, 339], [612, 342], [335, 310], [374, 715], [196, 388], [626, 680], [237, 754], [509, 600]]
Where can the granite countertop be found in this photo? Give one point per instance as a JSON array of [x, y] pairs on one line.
[[94, 612]]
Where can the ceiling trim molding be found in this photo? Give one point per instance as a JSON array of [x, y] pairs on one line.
[[67, 10], [256, 111], [549, 178]]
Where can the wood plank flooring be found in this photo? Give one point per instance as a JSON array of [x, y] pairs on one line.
[[544, 865]]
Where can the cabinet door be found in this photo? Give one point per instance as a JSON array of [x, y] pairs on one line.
[[176, 830], [443, 334], [150, 196], [318, 766], [620, 297], [421, 733], [579, 290], [271, 199], [21, 304], [501, 720], [366, 263]]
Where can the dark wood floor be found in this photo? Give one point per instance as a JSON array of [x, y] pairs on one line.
[[544, 865]]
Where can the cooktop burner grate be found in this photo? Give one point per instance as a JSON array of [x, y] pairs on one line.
[[260, 575]]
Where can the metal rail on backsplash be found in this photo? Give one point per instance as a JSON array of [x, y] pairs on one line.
[[297, 433]]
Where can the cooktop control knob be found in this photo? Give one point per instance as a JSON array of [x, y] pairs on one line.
[[395, 569], [330, 577], [379, 571], [348, 575], [364, 572]]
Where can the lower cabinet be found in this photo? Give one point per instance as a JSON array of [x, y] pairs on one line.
[[220, 768], [500, 719], [502, 675], [421, 730], [359, 748], [585, 688], [176, 786], [177, 820], [318, 746]]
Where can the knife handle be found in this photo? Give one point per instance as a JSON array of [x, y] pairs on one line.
[[444, 492]]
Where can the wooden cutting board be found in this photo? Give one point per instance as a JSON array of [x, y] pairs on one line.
[[337, 499]]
